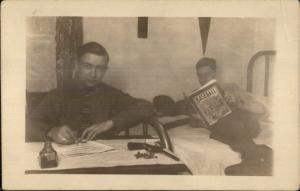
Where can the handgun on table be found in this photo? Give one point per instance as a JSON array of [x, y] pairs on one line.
[[151, 148]]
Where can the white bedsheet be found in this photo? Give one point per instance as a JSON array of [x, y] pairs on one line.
[[205, 156], [265, 136]]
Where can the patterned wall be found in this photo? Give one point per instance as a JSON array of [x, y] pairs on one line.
[[40, 54], [51, 48]]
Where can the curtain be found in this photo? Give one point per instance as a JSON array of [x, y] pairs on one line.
[[69, 36]]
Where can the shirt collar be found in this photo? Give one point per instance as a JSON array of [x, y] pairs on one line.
[[77, 86]]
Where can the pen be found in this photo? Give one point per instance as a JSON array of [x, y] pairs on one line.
[[79, 140]]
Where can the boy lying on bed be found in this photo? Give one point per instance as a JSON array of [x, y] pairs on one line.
[[237, 129]]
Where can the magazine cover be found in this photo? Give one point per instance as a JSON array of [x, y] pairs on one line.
[[208, 101]]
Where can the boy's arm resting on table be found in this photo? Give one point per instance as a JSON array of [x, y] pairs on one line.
[[35, 130], [126, 112], [129, 111], [42, 118]]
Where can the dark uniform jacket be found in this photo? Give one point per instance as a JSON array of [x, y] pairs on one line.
[[79, 107]]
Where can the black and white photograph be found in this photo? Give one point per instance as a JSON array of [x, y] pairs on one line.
[[166, 96], [107, 81]]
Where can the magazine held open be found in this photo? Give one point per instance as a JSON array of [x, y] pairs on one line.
[[209, 103]]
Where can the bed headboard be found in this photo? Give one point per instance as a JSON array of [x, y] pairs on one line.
[[267, 54]]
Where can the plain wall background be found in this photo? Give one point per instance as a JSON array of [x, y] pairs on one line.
[[164, 63]]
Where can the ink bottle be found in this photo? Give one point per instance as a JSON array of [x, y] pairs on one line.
[[48, 156]]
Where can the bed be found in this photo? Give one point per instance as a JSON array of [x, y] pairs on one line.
[[206, 156]]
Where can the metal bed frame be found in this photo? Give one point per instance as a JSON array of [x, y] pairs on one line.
[[266, 54]]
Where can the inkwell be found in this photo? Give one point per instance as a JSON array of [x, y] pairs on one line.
[[48, 156]]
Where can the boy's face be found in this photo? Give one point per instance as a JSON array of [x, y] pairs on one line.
[[91, 69], [205, 74]]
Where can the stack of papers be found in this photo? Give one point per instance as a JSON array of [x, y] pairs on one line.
[[90, 147]]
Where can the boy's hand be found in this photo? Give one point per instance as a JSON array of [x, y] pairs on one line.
[[91, 132], [230, 98], [62, 135]]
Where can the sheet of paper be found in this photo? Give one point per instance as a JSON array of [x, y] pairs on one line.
[[90, 147]]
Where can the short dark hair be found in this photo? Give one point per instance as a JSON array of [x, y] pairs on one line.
[[205, 61], [92, 47]]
